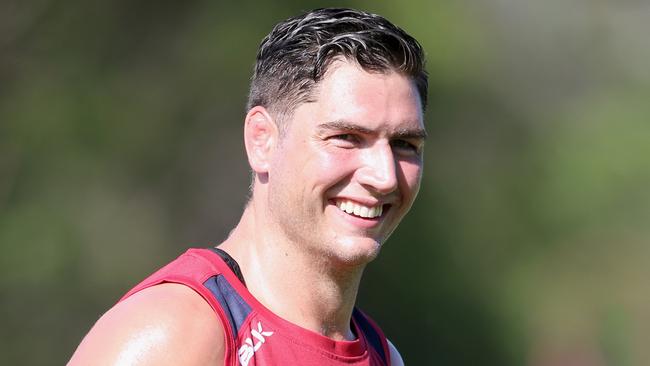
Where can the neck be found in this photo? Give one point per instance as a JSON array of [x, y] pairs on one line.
[[309, 292]]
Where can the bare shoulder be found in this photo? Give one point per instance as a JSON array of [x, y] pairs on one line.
[[395, 357], [167, 324]]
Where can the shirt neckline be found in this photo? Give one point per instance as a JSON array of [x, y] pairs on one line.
[[345, 349]]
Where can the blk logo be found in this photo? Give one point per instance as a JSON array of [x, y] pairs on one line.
[[250, 346]]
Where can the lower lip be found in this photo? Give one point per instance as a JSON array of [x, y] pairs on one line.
[[364, 222]]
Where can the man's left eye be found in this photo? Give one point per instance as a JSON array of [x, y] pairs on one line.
[[404, 146]]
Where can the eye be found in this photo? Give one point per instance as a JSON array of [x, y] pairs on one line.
[[346, 140], [345, 137], [405, 146]]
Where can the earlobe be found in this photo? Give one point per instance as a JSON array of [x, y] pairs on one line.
[[260, 137]]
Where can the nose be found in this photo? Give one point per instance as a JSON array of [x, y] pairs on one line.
[[378, 172]]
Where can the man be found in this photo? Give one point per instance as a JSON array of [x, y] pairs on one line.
[[334, 136]]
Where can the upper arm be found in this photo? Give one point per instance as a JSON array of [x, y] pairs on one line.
[[166, 324], [395, 357]]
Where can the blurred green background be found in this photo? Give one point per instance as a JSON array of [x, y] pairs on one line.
[[120, 146]]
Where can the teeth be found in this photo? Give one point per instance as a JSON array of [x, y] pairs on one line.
[[363, 212], [359, 210]]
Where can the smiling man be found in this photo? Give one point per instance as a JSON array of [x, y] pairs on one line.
[[334, 136]]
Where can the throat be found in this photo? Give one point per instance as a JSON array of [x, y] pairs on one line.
[[335, 332], [322, 303]]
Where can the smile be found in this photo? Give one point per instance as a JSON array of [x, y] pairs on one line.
[[356, 209]]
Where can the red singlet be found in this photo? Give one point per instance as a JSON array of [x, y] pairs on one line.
[[254, 335]]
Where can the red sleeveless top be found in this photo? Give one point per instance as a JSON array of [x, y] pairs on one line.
[[255, 336]]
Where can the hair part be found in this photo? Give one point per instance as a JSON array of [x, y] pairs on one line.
[[296, 55]]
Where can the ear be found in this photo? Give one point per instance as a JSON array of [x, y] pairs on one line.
[[260, 137]]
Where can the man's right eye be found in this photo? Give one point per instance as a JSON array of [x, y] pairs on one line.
[[345, 137], [345, 140]]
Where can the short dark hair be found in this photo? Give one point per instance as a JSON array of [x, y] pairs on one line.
[[293, 58]]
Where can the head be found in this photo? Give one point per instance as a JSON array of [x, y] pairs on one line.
[[295, 56], [334, 132]]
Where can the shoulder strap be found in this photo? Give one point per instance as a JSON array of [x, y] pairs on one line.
[[231, 262], [374, 336]]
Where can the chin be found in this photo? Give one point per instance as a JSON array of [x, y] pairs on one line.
[[357, 252]]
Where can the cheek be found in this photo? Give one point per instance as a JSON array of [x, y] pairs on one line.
[[333, 165], [411, 174]]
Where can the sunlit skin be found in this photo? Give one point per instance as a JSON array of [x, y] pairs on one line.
[[360, 142], [152, 327]]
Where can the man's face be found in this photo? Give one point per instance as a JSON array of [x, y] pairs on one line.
[[349, 166]]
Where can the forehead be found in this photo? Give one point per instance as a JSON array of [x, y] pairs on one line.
[[374, 100]]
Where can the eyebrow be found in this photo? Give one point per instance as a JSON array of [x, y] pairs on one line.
[[404, 133]]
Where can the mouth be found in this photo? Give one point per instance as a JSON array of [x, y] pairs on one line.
[[359, 210]]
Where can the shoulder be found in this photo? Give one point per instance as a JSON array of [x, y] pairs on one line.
[[395, 357], [163, 324]]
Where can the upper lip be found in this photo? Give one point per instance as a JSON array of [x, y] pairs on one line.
[[365, 201]]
